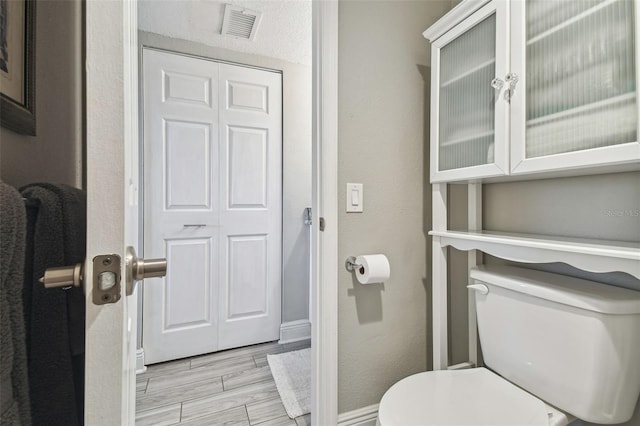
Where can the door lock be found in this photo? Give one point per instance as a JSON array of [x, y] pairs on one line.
[[106, 275], [106, 279], [139, 269], [63, 277]]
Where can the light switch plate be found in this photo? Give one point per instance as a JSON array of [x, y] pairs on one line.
[[354, 198]]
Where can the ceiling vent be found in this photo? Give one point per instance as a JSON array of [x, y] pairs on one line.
[[239, 22]]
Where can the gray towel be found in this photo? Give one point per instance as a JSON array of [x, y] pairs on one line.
[[51, 379], [74, 224], [14, 388]]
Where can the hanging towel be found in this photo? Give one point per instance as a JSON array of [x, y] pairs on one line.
[[14, 386], [74, 225], [52, 384]]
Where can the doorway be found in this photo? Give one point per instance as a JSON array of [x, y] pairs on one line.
[[212, 204], [112, 135]]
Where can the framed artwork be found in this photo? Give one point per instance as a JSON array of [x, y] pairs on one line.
[[17, 66]]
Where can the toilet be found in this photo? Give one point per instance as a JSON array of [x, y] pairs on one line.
[[555, 348]]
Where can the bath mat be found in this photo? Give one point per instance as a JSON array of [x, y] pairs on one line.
[[292, 374]]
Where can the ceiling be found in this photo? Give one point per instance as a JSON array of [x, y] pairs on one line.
[[284, 31]]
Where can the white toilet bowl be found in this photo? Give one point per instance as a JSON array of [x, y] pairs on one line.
[[474, 397]]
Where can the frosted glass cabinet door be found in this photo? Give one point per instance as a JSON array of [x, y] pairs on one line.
[[576, 104], [469, 120]]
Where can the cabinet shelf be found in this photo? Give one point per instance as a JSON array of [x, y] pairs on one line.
[[468, 73], [571, 21], [583, 109], [600, 256], [467, 138]]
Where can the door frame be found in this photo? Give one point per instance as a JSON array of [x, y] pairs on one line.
[[111, 31], [324, 287]]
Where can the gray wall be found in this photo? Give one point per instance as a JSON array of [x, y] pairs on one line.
[[599, 206], [55, 153], [383, 131], [296, 85]]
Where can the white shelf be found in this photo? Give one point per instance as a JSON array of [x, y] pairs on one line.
[[598, 256], [583, 108], [571, 21], [468, 73], [467, 138]]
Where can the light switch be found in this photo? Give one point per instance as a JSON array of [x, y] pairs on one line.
[[354, 198]]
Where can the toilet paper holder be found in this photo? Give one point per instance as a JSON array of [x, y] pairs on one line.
[[351, 264]]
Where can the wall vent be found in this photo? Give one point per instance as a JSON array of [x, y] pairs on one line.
[[239, 22]]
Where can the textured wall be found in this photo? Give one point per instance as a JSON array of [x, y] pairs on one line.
[[55, 153], [599, 206], [383, 131]]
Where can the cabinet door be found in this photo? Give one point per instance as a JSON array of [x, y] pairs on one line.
[[469, 119], [575, 105]]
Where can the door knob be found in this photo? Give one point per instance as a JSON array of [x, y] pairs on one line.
[[139, 269], [512, 80], [497, 84]]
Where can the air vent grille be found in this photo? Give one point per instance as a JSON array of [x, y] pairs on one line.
[[239, 22]]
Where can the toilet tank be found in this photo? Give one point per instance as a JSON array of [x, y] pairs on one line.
[[573, 343]]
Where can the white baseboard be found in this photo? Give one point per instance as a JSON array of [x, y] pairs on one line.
[[294, 331], [140, 367], [365, 416]]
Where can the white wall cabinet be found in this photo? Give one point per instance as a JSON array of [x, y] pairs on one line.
[[538, 86]]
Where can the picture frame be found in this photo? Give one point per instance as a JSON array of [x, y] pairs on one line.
[[17, 66]]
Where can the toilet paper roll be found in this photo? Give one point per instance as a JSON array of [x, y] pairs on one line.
[[375, 268]]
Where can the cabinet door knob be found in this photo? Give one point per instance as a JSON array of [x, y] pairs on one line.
[[512, 79], [497, 83]]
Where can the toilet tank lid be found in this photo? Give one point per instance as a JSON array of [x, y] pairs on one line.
[[580, 293]]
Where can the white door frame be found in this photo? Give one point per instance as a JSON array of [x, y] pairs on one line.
[[112, 146], [324, 287]]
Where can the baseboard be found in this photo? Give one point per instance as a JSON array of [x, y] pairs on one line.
[[140, 367], [365, 416], [294, 331]]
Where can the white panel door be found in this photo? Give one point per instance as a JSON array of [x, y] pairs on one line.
[[181, 190], [222, 245], [250, 205]]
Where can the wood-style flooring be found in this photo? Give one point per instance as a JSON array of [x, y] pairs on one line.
[[232, 387]]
